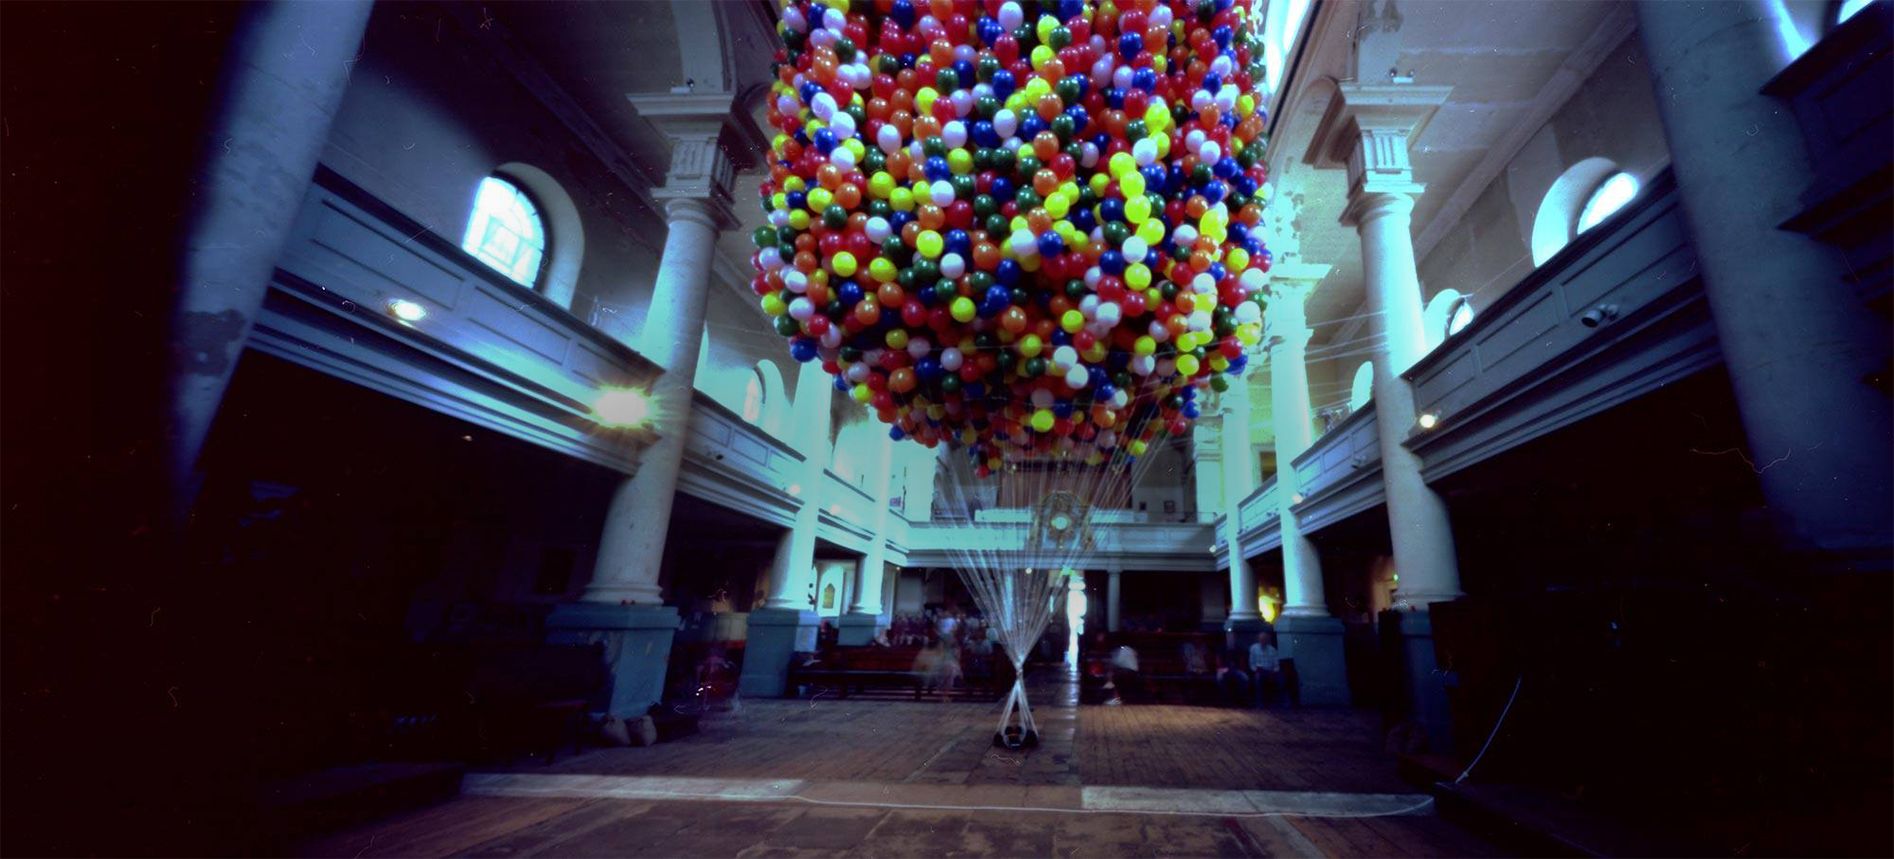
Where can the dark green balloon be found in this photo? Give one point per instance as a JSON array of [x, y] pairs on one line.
[[787, 326]]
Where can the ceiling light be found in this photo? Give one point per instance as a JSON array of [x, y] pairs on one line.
[[795, 489], [408, 312], [1428, 420], [622, 408]]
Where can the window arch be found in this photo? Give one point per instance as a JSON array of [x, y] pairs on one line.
[[506, 232], [1587, 193], [1610, 196], [753, 397], [1846, 9], [1447, 312], [1362, 389]]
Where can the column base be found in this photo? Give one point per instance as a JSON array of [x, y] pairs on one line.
[[1315, 643], [637, 641], [855, 630], [1409, 635], [775, 636]]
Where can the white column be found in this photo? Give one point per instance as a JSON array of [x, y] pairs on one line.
[[632, 547], [795, 559], [1112, 600], [1368, 133], [284, 81], [1288, 338], [1238, 478], [875, 562], [1417, 516], [695, 197], [1800, 348]]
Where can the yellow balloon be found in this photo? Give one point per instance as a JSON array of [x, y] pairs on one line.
[[773, 305], [1132, 184], [1042, 420], [1187, 364]]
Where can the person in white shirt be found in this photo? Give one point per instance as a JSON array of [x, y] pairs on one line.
[[1265, 669]]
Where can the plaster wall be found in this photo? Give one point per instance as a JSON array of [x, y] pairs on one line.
[[428, 114], [1613, 115]]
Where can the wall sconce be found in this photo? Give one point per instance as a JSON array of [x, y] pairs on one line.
[[622, 408], [1428, 420]]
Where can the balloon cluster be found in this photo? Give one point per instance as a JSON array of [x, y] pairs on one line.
[[1023, 229]]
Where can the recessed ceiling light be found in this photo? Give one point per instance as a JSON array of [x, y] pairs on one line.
[[408, 312]]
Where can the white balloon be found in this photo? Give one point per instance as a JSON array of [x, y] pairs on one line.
[[951, 359], [801, 309], [857, 372], [889, 139], [796, 281], [832, 339], [824, 106], [1142, 365], [1089, 306], [1024, 244], [919, 347], [941, 192], [1134, 249], [953, 265], [1005, 122], [1109, 314], [1119, 399], [1248, 312], [842, 124], [842, 156], [1077, 377], [1011, 16], [1199, 320], [954, 134], [1145, 151], [1042, 398], [877, 229], [1064, 357]]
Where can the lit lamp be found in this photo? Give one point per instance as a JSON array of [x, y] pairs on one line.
[[622, 408], [405, 311]]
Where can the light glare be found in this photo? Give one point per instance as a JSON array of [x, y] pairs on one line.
[[622, 408], [406, 311]]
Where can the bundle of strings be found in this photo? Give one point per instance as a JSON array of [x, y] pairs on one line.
[[1030, 523]]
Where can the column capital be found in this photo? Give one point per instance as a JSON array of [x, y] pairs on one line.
[[711, 138], [1369, 204], [1368, 130]]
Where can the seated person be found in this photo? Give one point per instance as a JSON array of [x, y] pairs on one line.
[[1232, 680], [1265, 669]]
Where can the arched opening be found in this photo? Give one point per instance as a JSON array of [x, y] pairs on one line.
[[1610, 196], [565, 253], [1560, 210], [505, 231], [1362, 389], [1447, 312]]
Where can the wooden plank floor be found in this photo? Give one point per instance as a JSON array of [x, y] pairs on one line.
[[910, 752]]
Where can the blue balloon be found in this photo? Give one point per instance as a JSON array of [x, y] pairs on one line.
[[802, 349]]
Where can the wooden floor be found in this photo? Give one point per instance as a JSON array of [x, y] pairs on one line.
[[904, 778]]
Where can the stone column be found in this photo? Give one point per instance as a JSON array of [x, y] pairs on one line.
[[1368, 130], [283, 82], [1801, 349], [1238, 483], [1113, 602], [1306, 629], [859, 624], [787, 622], [622, 606]]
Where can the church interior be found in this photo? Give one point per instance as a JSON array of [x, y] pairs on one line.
[[926, 427]]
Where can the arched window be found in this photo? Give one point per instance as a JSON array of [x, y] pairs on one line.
[[1362, 390], [753, 398], [1584, 195], [506, 232], [1606, 200], [1848, 9], [1447, 312]]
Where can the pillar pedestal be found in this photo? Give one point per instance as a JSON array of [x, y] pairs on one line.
[[1408, 639], [637, 641], [854, 629], [775, 636], [1314, 641]]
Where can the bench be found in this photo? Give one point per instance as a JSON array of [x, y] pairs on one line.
[[874, 670]]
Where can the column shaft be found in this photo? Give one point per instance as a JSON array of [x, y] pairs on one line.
[[1237, 476], [284, 82], [1112, 600], [1417, 517], [1289, 399], [1800, 349], [788, 576], [874, 563], [632, 547]]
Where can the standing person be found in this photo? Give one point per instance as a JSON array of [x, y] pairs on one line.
[[1265, 669]]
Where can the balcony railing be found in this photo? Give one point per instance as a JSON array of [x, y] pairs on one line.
[[470, 343]]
